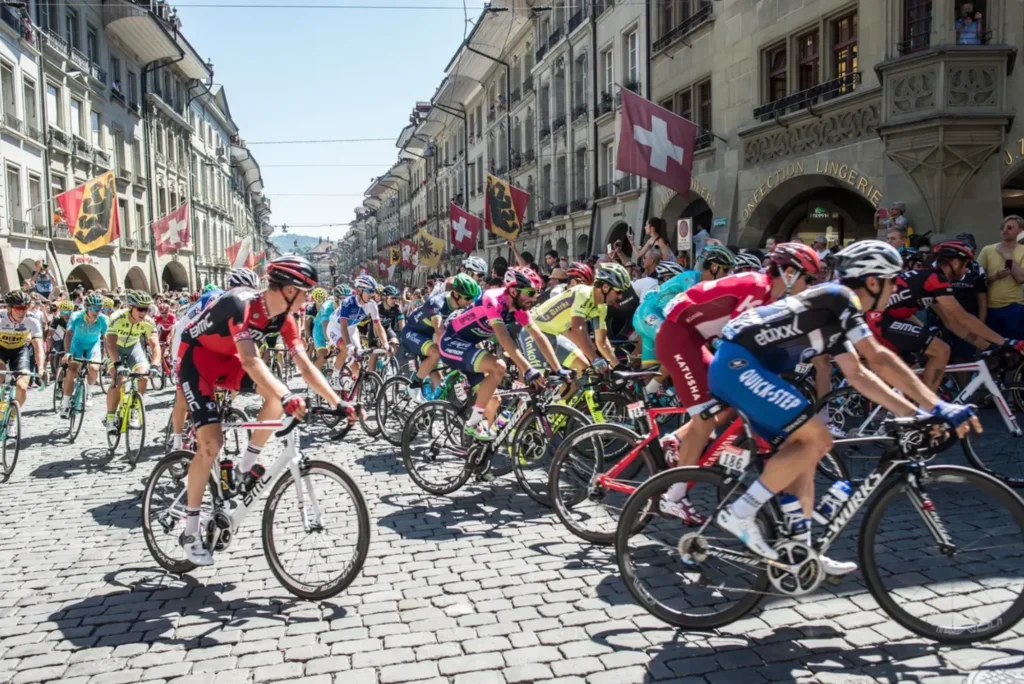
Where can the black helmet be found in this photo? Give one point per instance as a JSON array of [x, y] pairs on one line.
[[17, 298], [292, 270]]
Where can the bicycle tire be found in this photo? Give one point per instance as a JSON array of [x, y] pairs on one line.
[[354, 567], [76, 413], [9, 457], [163, 560], [976, 459], [633, 508], [114, 434], [408, 434], [540, 493], [235, 415], [621, 417], [159, 380], [386, 409], [562, 507], [366, 393], [135, 403], [58, 388], [869, 529]]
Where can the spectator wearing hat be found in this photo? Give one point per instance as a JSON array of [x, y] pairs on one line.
[[1003, 264], [820, 246]]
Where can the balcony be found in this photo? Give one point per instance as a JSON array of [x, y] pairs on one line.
[[703, 140], [808, 97], [542, 49], [545, 215], [129, 242], [555, 36], [545, 133], [529, 226], [626, 184], [81, 148], [604, 5], [698, 18], [124, 175], [490, 115], [34, 133], [579, 111], [633, 85], [604, 191], [576, 19], [558, 123], [605, 104], [59, 140], [101, 158], [479, 188], [500, 171], [578, 204], [13, 20], [529, 157], [515, 97], [160, 159], [12, 122], [19, 227], [40, 229], [61, 232], [559, 210], [528, 85]]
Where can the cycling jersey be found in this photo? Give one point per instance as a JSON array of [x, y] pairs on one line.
[[165, 322], [59, 325], [477, 322], [239, 315], [916, 291], [16, 334], [85, 337], [353, 311], [971, 284], [554, 317], [419, 319], [650, 314], [388, 317], [128, 331]]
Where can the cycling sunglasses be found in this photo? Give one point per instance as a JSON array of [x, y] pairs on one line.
[[528, 291], [144, 309], [95, 309], [22, 309]]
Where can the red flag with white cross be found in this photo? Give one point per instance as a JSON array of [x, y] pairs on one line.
[[171, 232], [464, 228], [655, 143]]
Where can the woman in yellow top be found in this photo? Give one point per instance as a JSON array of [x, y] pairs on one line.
[[1004, 268]]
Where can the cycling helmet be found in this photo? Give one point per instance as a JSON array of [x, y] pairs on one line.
[[667, 269], [17, 298], [464, 286], [521, 277], [613, 274], [209, 287], [163, 307], [910, 255], [94, 301], [475, 264], [869, 258], [389, 291], [745, 261], [292, 270], [243, 277], [342, 291], [183, 300], [581, 270], [366, 283], [108, 303], [717, 254], [953, 249], [138, 298], [318, 295], [796, 255], [66, 307]]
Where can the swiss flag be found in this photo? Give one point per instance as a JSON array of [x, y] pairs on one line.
[[171, 232], [408, 253], [464, 228], [655, 143], [240, 253]]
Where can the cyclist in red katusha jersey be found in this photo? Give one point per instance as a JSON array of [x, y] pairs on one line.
[[697, 316], [165, 321], [220, 348]]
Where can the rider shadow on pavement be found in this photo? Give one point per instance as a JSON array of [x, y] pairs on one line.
[[579, 556], [125, 514], [94, 459], [151, 606]]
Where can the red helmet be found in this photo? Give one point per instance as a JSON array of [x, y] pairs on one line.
[[798, 256], [953, 249], [579, 269], [521, 277]]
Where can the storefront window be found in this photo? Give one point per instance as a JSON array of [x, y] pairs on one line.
[[818, 217]]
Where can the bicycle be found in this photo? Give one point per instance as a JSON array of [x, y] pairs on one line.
[[79, 396], [534, 429], [58, 380], [367, 385], [902, 476], [393, 401], [10, 423], [226, 510], [233, 446], [129, 416]]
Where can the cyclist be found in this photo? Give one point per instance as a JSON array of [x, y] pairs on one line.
[[57, 329], [424, 326], [126, 330], [696, 317], [563, 321], [747, 262], [343, 331], [85, 331], [496, 309], [476, 267], [768, 340], [21, 340], [318, 297], [164, 320], [322, 321], [219, 350]]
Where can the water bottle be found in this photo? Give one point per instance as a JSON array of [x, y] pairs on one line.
[[793, 516], [837, 495], [460, 391], [502, 421], [252, 477], [227, 476]]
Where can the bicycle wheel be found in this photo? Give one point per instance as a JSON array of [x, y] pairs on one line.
[[536, 439], [159, 380], [588, 510], [393, 409], [339, 553], [10, 433], [163, 510], [978, 600], [434, 449], [235, 441], [58, 389], [135, 431], [365, 394], [114, 433], [613, 409], [698, 591], [277, 371], [76, 410], [848, 414], [996, 450], [331, 420]]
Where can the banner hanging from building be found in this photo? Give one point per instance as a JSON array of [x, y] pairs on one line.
[[90, 211], [171, 233], [429, 249], [504, 208]]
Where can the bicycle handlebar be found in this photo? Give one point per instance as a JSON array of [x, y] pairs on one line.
[[920, 435], [341, 410]]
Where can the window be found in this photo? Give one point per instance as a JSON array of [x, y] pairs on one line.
[[35, 198], [14, 217], [776, 62], [115, 75], [31, 108], [76, 117], [704, 105], [162, 194], [57, 184], [137, 158], [54, 115], [94, 130], [917, 25], [118, 135], [608, 69], [7, 86], [159, 139], [168, 92], [140, 224], [809, 56], [844, 47], [71, 27], [92, 45], [46, 14], [608, 155], [684, 104], [122, 216], [632, 58], [133, 88]]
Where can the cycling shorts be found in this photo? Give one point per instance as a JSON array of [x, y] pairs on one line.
[[17, 360], [462, 355], [772, 406], [682, 352], [319, 339], [416, 343], [200, 373], [57, 345], [902, 336], [337, 339], [566, 350], [375, 343], [133, 358], [89, 351]]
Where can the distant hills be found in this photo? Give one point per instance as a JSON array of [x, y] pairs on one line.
[[290, 242]]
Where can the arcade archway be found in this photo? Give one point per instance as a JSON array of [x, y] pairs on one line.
[[87, 276], [686, 206], [1013, 193], [26, 269], [135, 279], [175, 277], [619, 232], [562, 246], [582, 248]]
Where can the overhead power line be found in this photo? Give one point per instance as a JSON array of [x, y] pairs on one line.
[[320, 166], [320, 142]]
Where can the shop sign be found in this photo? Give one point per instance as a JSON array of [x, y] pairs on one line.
[[701, 190], [827, 167], [720, 223], [84, 259]]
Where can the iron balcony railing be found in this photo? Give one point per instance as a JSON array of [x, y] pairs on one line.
[[688, 24], [810, 96]]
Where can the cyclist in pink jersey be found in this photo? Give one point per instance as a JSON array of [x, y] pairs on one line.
[[497, 309]]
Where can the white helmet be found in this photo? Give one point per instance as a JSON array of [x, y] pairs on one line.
[[366, 283], [869, 258], [668, 269], [243, 277], [475, 264], [748, 261]]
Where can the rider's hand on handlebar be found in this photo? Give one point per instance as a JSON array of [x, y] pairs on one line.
[[294, 405], [960, 417], [566, 374], [535, 377], [601, 366]]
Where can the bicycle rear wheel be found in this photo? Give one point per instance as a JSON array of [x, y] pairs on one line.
[[10, 433], [393, 409], [159, 379], [326, 553], [58, 388], [434, 449], [163, 510], [997, 451], [135, 429], [236, 440], [535, 442]]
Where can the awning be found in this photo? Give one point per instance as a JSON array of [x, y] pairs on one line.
[[151, 38], [244, 161], [467, 69]]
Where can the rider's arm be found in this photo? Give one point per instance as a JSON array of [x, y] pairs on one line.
[[314, 378], [111, 339], [155, 352], [344, 331], [68, 336], [580, 336], [892, 369], [870, 385], [543, 344], [436, 322], [510, 347], [965, 325], [254, 367], [37, 345]]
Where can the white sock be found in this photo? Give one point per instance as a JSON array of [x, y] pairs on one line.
[[65, 402], [748, 505], [476, 416], [654, 386], [677, 492], [249, 458], [175, 442], [192, 522]]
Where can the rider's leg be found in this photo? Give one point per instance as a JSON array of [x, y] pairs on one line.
[[937, 355], [21, 389], [178, 418], [494, 370], [822, 375], [112, 392], [69, 380], [209, 441], [271, 410]]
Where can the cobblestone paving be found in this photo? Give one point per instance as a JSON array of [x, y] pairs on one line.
[[483, 587]]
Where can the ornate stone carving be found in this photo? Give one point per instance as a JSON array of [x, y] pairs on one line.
[[971, 87], [912, 92], [804, 137]]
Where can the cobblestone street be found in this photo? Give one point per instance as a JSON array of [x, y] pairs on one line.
[[483, 587]]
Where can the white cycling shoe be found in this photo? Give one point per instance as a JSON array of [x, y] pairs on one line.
[[747, 531], [834, 568], [195, 550]]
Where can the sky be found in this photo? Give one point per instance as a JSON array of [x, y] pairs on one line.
[[316, 74]]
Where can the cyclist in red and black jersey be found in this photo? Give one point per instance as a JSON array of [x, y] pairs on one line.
[[219, 349]]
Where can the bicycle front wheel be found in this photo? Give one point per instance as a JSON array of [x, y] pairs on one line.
[[58, 389], [10, 433], [997, 451], [435, 450], [536, 439], [393, 408], [365, 395], [943, 554], [76, 410], [295, 535], [135, 428]]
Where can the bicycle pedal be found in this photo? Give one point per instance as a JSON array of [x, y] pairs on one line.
[[834, 580]]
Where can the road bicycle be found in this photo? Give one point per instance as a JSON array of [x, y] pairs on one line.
[[129, 416], [165, 376], [79, 395], [226, 508], [10, 423], [702, 578], [534, 430], [361, 393], [234, 443], [393, 403]]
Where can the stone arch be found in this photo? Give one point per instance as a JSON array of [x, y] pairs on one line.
[[26, 269], [136, 279], [582, 247], [619, 233], [174, 276], [691, 206], [86, 275], [1013, 189], [562, 247]]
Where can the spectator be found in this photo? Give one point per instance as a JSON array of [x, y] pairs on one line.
[[820, 246], [968, 26], [42, 281], [893, 217], [797, 240], [896, 236], [1003, 264], [657, 237], [550, 259], [700, 241], [772, 240], [650, 261]]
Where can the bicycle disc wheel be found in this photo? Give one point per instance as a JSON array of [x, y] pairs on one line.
[[434, 449], [393, 409], [337, 556], [366, 393], [587, 509], [979, 598], [76, 410], [535, 441], [135, 432], [698, 591], [163, 510], [10, 433]]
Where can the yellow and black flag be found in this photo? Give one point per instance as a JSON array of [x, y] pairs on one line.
[[395, 252], [91, 212], [504, 207]]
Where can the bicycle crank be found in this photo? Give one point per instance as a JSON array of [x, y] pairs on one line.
[[804, 573]]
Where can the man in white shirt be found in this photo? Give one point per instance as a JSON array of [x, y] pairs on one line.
[[821, 246]]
